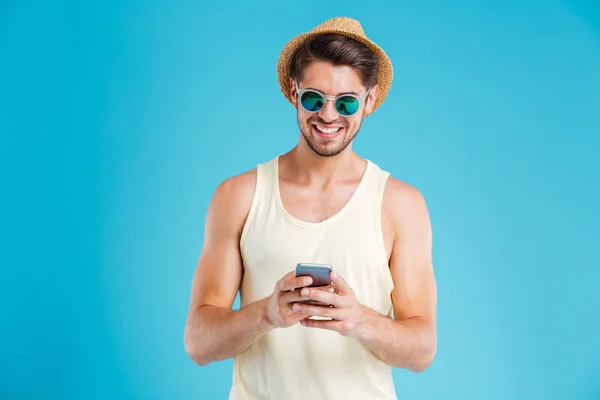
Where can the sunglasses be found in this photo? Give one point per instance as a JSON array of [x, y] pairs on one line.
[[313, 101]]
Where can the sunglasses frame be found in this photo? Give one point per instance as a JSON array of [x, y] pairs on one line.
[[300, 92]]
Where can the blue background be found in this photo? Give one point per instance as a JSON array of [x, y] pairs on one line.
[[119, 119]]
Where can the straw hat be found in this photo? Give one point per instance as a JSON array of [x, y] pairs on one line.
[[343, 26]]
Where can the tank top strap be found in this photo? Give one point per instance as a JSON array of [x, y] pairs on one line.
[[264, 194], [371, 196]]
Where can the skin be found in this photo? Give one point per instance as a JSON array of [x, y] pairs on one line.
[[317, 178]]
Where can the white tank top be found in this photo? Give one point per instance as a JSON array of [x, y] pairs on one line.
[[308, 363]]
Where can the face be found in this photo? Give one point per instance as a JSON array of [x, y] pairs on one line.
[[326, 132]]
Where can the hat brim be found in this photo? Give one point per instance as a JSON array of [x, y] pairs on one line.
[[384, 76]]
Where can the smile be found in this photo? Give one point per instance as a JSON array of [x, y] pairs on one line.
[[327, 131]]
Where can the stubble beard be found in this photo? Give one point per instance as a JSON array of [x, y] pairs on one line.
[[306, 130]]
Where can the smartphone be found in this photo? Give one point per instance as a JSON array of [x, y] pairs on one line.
[[320, 273]]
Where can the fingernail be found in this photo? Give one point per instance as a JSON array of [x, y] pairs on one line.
[[296, 307], [331, 289], [307, 281], [304, 292], [333, 274], [303, 323]]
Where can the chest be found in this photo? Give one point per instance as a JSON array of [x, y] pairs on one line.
[[312, 204], [274, 245]]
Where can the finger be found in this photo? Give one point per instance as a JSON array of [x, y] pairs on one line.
[[291, 296], [332, 325], [340, 283], [321, 311], [322, 296], [297, 318], [279, 283], [289, 312], [292, 282], [327, 288], [296, 295]]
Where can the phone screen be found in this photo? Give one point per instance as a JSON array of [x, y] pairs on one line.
[[318, 272]]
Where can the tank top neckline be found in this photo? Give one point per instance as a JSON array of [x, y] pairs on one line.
[[339, 214]]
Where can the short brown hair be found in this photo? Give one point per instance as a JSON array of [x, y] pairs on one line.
[[338, 50]]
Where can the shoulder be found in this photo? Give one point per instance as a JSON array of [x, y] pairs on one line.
[[240, 185], [404, 204], [400, 195], [232, 199]]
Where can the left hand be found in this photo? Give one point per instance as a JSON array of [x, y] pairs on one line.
[[342, 307]]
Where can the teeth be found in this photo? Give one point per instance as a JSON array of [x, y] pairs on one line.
[[328, 131]]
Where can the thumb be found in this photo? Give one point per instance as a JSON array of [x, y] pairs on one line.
[[340, 283]]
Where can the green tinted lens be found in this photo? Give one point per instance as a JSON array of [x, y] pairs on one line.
[[347, 105], [312, 101]]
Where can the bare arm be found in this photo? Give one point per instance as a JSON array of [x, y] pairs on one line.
[[408, 341], [213, 330]]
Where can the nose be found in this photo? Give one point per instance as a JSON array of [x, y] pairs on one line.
[[328, 112]]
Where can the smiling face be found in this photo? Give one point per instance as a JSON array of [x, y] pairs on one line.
[[326, 132]]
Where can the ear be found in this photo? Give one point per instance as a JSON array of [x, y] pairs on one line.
[[293, 94], [370, 100]]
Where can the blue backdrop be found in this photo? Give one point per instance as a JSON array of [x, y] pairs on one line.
[[119, 119]]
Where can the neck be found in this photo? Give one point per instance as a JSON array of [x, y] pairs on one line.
[[310, 167]]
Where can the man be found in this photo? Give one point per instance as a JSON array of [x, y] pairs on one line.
[[318, 203]]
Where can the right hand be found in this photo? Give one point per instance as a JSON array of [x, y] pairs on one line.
[[279, 306]]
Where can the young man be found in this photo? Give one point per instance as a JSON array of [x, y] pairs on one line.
[[318, 203]]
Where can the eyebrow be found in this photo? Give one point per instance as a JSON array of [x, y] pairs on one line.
[[340, 94]]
